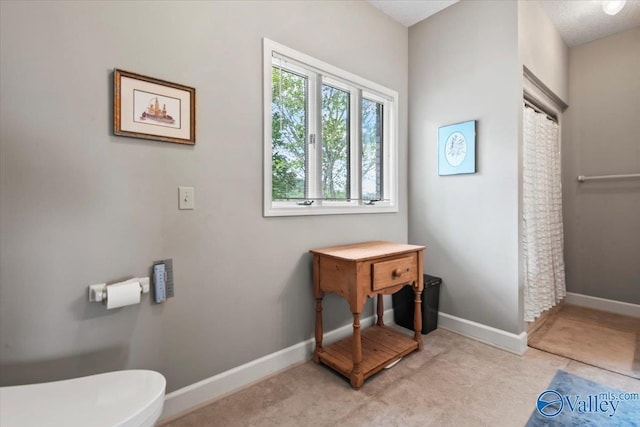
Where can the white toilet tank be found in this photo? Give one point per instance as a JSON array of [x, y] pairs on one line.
[[131, 398]]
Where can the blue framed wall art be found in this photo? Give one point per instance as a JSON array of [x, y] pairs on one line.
[[457, 148]]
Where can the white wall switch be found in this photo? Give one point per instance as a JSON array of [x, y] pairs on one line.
[[186, 198]]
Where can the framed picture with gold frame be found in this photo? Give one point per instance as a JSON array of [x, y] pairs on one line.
[[144, 107]]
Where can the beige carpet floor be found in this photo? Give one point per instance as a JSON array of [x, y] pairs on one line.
[[606, 340], [454, 381]]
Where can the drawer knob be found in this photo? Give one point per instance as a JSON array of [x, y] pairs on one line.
[[397, 273]]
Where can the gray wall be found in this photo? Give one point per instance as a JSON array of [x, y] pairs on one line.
[[81, 206], [602, 137], [464, 65], [541, 47]]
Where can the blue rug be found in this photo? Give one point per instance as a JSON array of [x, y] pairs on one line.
[[573, 401]]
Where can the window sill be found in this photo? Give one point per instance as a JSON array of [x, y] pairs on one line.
[[289, 210]]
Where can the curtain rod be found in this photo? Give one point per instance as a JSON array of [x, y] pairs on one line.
[[583, 178], [534, 107]]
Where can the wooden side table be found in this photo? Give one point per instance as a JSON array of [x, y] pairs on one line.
[[356, 272]]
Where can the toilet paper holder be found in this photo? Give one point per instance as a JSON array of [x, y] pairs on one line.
[[98, 292]]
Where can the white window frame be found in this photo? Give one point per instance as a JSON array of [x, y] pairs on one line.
[[358, 88]]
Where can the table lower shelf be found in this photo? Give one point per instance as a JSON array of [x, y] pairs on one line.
[[381, 346]]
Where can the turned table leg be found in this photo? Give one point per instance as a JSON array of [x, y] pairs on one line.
[[319, 331], [417, 315], [318, 294], [380, 311], [357, 377]]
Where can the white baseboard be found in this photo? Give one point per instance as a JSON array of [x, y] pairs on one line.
[[612, 306], [496, 337], [199, 394]]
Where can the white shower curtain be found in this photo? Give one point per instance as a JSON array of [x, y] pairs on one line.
[[542, 239]]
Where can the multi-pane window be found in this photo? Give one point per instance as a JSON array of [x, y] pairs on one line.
[[330, 138]]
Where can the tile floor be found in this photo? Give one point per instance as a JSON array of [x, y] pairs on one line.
[[454, 381]]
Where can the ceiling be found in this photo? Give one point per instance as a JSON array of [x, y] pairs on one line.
[[578, 21], [409, 12]]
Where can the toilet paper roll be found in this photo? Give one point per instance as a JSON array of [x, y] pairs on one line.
[[123, 294]]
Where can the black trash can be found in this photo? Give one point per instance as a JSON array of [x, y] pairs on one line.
[[403, 305]]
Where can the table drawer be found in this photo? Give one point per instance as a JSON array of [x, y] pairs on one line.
[[394, 272]]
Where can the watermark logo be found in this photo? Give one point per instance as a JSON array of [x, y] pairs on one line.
[[550, 403]]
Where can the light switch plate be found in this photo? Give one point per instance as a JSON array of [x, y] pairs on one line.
[[186, 198]]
